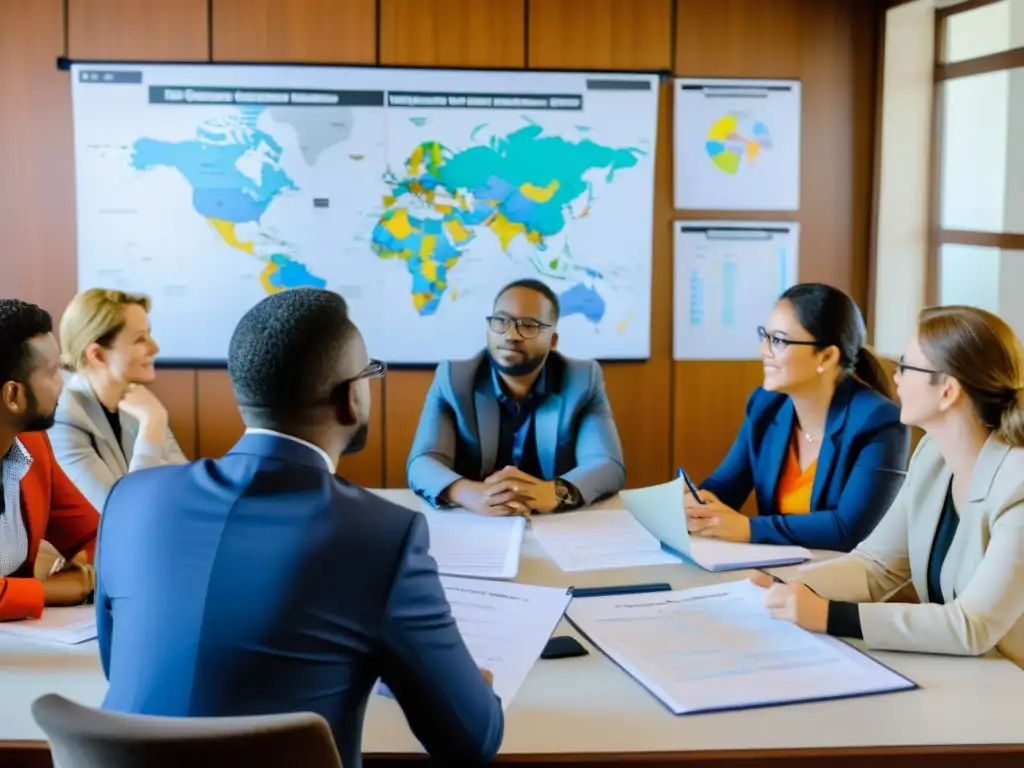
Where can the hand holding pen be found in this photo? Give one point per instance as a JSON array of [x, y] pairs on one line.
[[707, 516]]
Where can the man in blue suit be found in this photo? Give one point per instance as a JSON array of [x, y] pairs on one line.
[[261, 583], [519, 428]]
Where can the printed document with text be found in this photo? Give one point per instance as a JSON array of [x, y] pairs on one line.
[[718, 648]]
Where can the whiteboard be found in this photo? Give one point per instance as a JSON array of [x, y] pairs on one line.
[[728, 275]]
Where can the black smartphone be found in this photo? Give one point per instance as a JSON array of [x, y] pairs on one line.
[[563, 647]]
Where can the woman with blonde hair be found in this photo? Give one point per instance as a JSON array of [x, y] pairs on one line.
[[955, 532], [108, 423]]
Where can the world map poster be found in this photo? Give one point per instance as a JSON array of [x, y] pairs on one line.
[[415, 194]]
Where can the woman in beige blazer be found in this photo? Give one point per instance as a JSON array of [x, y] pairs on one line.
[[108, 423], [955, 532]]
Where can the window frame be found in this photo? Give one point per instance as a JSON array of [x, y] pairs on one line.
[[937, 235]]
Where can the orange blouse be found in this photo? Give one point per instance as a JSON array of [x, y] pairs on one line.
[[795, 485]]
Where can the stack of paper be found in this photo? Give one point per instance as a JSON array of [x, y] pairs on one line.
[[466, 544], [73, 625], [505, 627], [716, 648], [662, 511], [596, 539]]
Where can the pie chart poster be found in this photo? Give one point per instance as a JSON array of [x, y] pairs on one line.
[[737, 145]]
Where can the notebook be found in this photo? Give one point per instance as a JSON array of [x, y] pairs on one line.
[[661, 510]]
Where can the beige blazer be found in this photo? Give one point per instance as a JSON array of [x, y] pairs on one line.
[[982, 577], [88, 451]]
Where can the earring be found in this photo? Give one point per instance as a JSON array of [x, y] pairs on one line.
[[820, 370]]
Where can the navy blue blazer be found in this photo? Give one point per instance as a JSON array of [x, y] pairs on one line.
[[861, 466], [260, 583]]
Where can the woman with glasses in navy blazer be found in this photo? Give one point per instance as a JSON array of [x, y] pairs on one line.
[[822, 446]]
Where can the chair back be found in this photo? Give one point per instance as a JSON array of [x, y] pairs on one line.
[[83, 737]]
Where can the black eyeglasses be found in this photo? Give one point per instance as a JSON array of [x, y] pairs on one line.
[[375, 369], [902, 367], [528, 327], [779, 343]]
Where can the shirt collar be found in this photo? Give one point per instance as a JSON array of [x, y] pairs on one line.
[[18, 454], [537, 392], [327, 459]]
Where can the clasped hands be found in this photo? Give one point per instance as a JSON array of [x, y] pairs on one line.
[[70, 586], [715, 520], [509, 491]]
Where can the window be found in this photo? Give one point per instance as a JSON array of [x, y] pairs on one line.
[[978, 32], [977, 214], [969, 274], [974, 151]]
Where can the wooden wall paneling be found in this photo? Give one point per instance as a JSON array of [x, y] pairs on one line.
[[176, 388], [438, 33], [630, 37], [317, 31], [37, 224], [600, 34], [152, 30], [404, 393], [218, 423], [829, 45], [220, 426], [739, 38], [321, 31], [452, 33]]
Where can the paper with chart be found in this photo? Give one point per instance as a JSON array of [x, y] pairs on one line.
[[415, 193], [661, 510], [598, 539], [737, 144], [505, 627], [715, 648], [728, 275], [466, 544], [70, 625]]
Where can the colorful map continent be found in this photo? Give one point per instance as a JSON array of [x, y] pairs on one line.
[[212, 163], [519, 185]]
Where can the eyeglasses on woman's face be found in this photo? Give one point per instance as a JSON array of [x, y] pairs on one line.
[[902, 367], [778, 343]]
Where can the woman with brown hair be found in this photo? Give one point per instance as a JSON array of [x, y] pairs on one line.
[[956, 530]]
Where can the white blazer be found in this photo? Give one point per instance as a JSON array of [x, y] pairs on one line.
[[87, 450], [982, 577]]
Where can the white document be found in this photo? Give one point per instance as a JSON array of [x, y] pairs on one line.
[[598, 539], [71, 625], [662, 511], [505, 627], [737, 144], [717, 648], [467, 544], [728, 275]]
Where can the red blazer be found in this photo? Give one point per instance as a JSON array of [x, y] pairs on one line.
[[54, 509]]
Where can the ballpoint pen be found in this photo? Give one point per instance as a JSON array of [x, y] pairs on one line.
[[680, 472]]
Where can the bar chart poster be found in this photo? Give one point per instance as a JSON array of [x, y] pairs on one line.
[[737, 145], [728, 275]]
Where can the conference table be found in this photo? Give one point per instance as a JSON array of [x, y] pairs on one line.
[[587, 710]]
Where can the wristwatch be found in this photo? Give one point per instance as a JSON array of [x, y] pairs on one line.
[[567, 495]]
